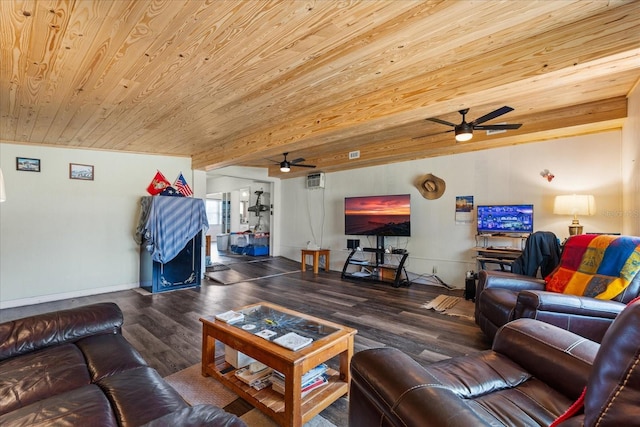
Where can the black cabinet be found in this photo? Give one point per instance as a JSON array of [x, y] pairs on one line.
[[376, 265], [183, 271]]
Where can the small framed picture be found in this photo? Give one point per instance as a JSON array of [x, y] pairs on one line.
[[84, 172], [28, 165]]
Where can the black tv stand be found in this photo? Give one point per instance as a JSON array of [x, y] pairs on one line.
[[377, 270]]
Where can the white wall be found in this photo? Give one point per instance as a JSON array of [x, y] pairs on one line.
[[587, 164], [62, 238]]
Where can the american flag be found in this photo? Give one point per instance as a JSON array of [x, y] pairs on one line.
[[182, 186]]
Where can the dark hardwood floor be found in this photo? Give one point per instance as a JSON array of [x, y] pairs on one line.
[[165, 329]]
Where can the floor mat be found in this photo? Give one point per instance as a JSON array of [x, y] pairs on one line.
[[451, 306], [252, 270], [216, 266]]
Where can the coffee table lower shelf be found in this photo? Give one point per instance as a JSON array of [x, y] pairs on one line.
[[271, 402]]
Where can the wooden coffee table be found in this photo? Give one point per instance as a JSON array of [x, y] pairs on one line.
[[291, 409]]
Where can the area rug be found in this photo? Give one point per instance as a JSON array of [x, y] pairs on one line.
[[196, 389], [255, 269], [451, 306]]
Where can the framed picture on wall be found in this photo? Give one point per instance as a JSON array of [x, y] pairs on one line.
[[27, 165], [84, 172]]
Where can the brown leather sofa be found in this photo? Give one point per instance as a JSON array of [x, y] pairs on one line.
[[74, 368], [532, 375], [502, 297]]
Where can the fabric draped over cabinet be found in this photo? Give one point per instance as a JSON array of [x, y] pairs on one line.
[[167, 224]]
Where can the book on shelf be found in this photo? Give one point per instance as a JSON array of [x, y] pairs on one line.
[[230, 316], [257, 380], [293, 341]]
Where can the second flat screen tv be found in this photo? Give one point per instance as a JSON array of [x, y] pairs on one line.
[[378, 215], [496, 219]]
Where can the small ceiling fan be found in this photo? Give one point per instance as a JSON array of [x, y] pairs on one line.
[[464, 130], [286, 165]]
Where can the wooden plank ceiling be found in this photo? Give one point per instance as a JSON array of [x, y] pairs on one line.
[[240, 82]]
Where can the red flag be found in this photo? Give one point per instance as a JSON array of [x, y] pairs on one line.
[[158, 184]]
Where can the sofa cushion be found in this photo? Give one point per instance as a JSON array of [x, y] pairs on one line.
[[494, 387], [107, 355], [65, 326], [140, 395], [38, 375], [596, 266], [84, 406]]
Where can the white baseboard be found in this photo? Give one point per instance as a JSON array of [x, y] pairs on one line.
[[66, 295]]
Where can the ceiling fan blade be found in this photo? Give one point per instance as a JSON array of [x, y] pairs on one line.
[[442, 122], [491, 115], [303, 166], [298, 160], [432, 134], [498, 127]]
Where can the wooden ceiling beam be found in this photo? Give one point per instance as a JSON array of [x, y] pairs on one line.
[[592, 117]]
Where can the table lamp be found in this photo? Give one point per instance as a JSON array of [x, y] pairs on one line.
[[574, 204]]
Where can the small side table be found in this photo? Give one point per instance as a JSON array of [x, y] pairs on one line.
[[316, 254]]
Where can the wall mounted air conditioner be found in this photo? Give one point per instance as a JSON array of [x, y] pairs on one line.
[[315, 180]]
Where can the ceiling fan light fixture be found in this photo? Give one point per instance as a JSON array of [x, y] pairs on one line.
[[285, 166], [464, 132]]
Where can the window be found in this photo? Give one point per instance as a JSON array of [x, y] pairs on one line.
[[214, 214]]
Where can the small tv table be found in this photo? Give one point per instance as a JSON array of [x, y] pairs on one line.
[[291, 409], [316, 254]]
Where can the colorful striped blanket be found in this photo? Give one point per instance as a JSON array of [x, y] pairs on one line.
[[598, 266]]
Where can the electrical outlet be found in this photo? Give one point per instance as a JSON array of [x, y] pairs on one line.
[[354, 154], [435, 269]]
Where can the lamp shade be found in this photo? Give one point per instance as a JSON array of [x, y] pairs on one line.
[[574, 204], [3, 194]]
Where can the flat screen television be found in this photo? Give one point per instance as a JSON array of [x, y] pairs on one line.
[[497, 219], [378, 215]]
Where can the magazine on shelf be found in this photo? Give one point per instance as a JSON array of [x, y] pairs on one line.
[[308, 379], [230, 316], [317, 383], [293, 341]]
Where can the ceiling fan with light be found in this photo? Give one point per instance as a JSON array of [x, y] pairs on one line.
[[286, 165], [464, 130]]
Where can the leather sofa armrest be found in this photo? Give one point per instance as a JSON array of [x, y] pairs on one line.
[[387, 384], [196, 416], [506, 280], [44, 330], [585, 316], [531, 301], [556, 356]]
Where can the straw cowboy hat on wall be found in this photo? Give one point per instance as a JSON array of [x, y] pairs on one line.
[[430, 186]]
